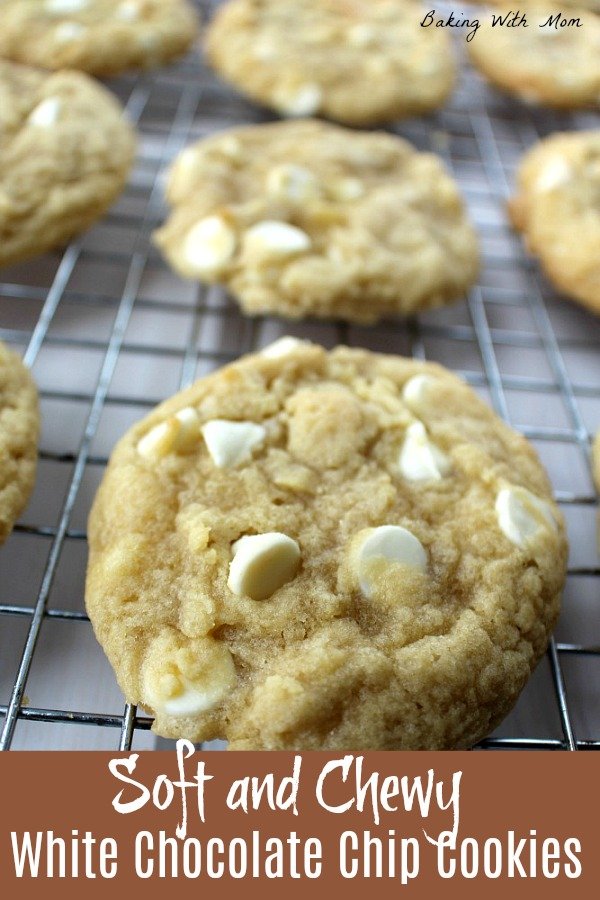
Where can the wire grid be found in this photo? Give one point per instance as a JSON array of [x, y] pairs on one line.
[[109, 332]]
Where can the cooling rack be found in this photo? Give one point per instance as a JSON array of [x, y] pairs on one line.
[[109, 332]]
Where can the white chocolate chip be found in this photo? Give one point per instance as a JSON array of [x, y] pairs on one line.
[[128, 11], [190, 700], [264, 50], [45, 113], [416, 391], [420, 459], [68, 31], [188, 681], [391, 543], [291, 182], [60, 7], [304, 101], [276, 239], [158, 442], [522, 515], [346, 189], [556, 172], [185, 162], [176, 434], [188, 421], [362, 35], [282, 347], [230, 147], [209, 245], [230, 443], [263, 563]]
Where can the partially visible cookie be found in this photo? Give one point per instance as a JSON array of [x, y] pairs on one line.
[[360, 62], [103, 37], [596, 476], [65, 155], [525, 5], [550, 65], [312, 550], [557, 207], [19, 429], [305, 218]]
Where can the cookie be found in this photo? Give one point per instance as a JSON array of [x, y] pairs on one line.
[[312, 550], [309, 219], [557, 207], [593, 5], [103, 37], [360, 62], [553, 66], [64, 157], [19, 430]]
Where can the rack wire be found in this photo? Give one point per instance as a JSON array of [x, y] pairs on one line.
[[109, 332]]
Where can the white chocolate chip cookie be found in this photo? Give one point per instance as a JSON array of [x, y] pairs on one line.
[[65, 155], [557, 207], [347, 551], [103, 37], [309, 219], [566, 5], [19, 427], [542, 63], [360, 62]]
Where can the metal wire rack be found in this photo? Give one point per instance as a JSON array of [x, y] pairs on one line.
[[109, 331]]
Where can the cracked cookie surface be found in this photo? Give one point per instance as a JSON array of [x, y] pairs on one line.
[[102, 37], [360, 62], [65, 155], [557, 208], [310, 219], [19, 427], [325, 550], [549, 65]]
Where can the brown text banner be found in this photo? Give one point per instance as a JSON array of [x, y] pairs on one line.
[[303, 824]]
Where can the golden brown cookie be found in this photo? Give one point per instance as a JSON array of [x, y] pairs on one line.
[[525, 5], [103, 37], [360, 62], [310, 219], [312, 550], [65, 155], [543, 62], [557, 207], [19, 428]]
